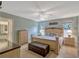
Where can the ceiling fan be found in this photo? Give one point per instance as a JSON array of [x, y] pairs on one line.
[[43, 15]]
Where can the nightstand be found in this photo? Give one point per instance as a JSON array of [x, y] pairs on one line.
[[69, 41]]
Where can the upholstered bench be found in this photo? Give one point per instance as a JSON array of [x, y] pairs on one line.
[[39, 48]]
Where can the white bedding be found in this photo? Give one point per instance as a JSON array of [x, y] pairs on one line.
[[46, 37], [61, 39]]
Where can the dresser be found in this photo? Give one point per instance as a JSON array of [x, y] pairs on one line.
[[22, 36]]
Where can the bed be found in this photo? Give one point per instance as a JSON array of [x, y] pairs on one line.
[[53, 37]]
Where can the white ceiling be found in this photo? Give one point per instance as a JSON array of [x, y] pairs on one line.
[[41, 11]]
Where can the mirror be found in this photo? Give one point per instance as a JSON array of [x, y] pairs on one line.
[[3, 27]]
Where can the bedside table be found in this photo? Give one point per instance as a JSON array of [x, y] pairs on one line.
[[69, 41]]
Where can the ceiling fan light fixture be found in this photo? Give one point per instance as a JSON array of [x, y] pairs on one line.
[[42, 18]]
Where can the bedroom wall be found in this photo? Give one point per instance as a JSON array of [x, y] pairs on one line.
[[60, 24], [20, 23]]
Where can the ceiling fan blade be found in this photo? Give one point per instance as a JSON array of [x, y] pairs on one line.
[[54, 8], [38, 7]]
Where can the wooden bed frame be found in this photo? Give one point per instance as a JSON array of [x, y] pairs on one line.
[[54, 44], [58, 31]]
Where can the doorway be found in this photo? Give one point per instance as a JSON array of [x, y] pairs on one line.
[[5, 32]]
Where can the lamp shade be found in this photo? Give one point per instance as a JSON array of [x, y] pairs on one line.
[[69, 32]]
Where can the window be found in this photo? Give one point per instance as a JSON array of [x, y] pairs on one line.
[[68, 29], [42, 31]]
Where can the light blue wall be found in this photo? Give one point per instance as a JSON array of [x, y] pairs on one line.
[[61, 21], [42, 24], [20, 23]]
